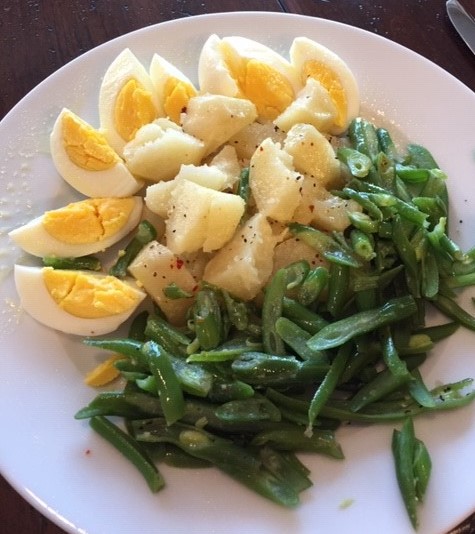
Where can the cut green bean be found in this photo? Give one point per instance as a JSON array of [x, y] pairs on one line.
[[145, 233], [131, 449], [339, 332], [83, 263]]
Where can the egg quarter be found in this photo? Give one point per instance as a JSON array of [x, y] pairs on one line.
[[76, 302], [127, 100], [85, 160], [174, 89], [312, 59], [80, 228], [241, 67]]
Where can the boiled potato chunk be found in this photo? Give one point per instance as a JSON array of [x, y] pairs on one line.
[[294, 249], [322, 209], [312, 105], [274, 183], [250, 137], [243, 266], [226, 160], [157, 197], [156, 267], [313, 154], [215, 118], [159, 149], [199, 217]]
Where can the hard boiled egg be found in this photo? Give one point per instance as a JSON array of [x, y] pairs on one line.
[[76, 302], [311, 59], [127, 100], [80, 228], [173, 88], [86, 161], [240, 67]]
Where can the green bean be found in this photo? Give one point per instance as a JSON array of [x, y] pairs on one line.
[[422, 465], [174, 292], [207, 319], [438, 332], [138, 325], [168, 387], [386, 143], [390, 354], [145, 233], [407, 256], [325, 244], [131, 449], [362, 221], [261, 369], [363, 137], [362, 244], [452, 310], [253, 409], [296, 273], [358, 163], [411, 173], [337, 333], [420, 157], [120, 404], [338, 289], [418, 390], [302, 316], [312, 286], [238, 311], [125, 346], [403, 450], [171, 338], [83, 263], [327, 386], [243, 189], [241, 463], [296, 338], [272, 310], [294, 439]]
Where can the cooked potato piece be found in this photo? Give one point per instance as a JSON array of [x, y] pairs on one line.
[[156, 267], [274, 183], [159, 149], [322, 209], [294, 249], [215, 118], [313, 154], [226, 160], [244, 265], [224, 214], [250, 137], [186, 226], [199, 217], [312, 105], [157, 197]]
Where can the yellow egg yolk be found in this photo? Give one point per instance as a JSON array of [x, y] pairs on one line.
[[88, 221], [86, 147], [330, 81], [176, 96], [87, 296], [133, 108], [268, 89]]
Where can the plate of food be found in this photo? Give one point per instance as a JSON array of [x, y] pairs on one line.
[[235, 283]]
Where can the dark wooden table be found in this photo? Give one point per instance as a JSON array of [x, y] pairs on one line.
[[40, 36]]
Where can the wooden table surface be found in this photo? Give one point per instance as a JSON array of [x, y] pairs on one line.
[[40, 36]]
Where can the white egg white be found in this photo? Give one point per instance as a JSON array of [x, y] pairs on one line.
[[37, 302], [34, 239], [304, 49], [161, 71], [116, 181], [125, 67], [213, 74]]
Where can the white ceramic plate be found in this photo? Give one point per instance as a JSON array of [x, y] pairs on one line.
[[77, 480]]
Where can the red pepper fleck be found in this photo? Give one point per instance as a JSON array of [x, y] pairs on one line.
[[179, 263], [87, 452]]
